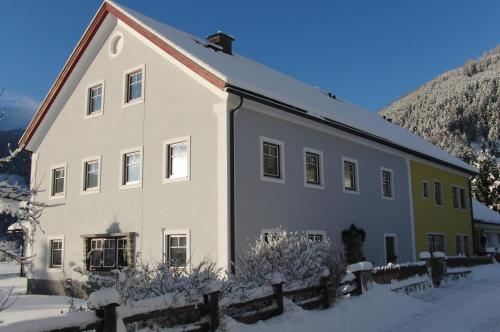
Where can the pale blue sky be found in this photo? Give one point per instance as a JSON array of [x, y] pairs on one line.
[[369, 52]]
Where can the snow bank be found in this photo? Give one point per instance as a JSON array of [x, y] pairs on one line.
[[347, 277], [80, 319], [103, 297], [438, 254], [424, 255], [361, 266]]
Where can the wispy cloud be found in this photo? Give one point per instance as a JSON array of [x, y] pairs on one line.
[[18, 108]]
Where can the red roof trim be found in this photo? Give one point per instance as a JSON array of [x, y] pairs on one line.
[[82, 46]]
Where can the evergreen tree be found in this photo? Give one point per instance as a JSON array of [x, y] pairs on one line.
[[486, 185]]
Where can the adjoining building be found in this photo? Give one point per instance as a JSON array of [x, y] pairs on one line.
[[486, 227]]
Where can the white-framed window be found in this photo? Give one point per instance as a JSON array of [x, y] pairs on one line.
[[350, 175], [435, 242], [462, 244], [425, 189], [387, 183], [438, 193], [95, 99], [176, 159], [315, 235], [56, 252], [390, 248], [91, 178], [58, 181], [131, 168], [272, 160], [177, 248], [313, 168], [107, 252], [134, 86]]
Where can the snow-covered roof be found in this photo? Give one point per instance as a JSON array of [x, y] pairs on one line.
[[483, 213], [239, 71]]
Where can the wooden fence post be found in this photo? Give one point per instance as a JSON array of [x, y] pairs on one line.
[[325, 299], [214, 310], [278, 292], [109, 317]]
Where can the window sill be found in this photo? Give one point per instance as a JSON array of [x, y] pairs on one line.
[[173, 180], [388, 198], [353, 192], [272, 179], [314, 186], [130, 186], [58, 196], [105, 270], [93, 115], [55, 269], [133, 102], [91, 191]]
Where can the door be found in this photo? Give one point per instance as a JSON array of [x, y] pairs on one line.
[[390, 249]]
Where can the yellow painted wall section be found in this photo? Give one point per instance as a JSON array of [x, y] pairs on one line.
[[435, 219]]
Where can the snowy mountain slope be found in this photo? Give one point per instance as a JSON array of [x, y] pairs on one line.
[[458, 110]]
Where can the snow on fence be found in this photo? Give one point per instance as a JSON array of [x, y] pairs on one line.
[[386, 274], [199, 316]]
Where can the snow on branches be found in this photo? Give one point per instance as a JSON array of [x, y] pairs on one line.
[[293, 255], [486, 185]]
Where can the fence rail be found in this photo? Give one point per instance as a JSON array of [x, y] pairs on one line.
[[453, 262], [386, 275]]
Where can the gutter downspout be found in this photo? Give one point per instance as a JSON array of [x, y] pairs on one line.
[[232, 255]]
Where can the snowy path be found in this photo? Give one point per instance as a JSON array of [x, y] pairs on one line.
[[28, 306], [471, 304], [467, 305]]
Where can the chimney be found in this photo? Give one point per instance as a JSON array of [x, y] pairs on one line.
[[223, 40]]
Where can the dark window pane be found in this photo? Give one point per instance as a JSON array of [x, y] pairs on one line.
[[271, 160], [463, 204], [178, 257], [312, 168]]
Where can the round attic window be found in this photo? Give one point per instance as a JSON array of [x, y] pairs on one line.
[[116, 44]]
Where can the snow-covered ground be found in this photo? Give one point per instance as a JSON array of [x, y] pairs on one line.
[[470, 304], [28, 306]]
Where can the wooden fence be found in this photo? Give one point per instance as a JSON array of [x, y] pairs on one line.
[[204, 315], [386, 275], [454, 262], [200, 316]]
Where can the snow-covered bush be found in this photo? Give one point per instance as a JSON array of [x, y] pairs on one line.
[[10, 249], [298, 259], [147, 280]]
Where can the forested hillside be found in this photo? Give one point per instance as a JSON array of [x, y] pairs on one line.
[[460, 112]]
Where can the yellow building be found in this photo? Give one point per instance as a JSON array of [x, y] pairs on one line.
[[442, 209]]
